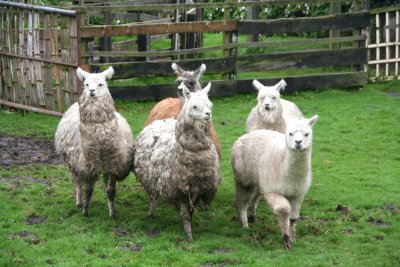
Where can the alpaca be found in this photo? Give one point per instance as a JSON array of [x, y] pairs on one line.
[[170, 107], [176, 159], [93, 139], [271, 112], [276, 166]]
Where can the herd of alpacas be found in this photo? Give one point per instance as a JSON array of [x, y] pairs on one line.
[[176, 157]]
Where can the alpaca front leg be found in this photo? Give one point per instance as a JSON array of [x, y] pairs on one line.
[[243, 201], [88, 191], [253, 208], [186, 220], [281, 208], [152, 205], [77, 191], [295, 204], [111, 192]]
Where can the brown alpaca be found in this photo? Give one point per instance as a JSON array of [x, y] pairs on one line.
[[171, 107]]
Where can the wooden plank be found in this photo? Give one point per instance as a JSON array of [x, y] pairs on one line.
[[29, 108], [218, 88], [230, 87], [299, 59], [309, 24], [319, 81], [140, 69], [157, 7], [157, 28]]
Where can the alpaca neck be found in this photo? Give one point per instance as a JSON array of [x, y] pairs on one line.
[[192, 135], [96, 110], [270, 118], [297, 163]]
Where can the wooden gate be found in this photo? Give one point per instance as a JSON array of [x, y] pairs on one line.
[[39, 52]]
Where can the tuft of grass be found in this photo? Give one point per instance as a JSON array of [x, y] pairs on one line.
[[356, 165]]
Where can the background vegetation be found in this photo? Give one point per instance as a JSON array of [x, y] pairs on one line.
[[350, 216]]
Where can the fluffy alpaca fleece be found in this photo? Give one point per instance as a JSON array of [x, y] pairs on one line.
[[276, 166], [170, 107], [93, 139], [176, 159], [271, 112]]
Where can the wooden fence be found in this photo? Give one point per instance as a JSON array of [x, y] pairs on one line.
[[383, 44], [337, 60], [39, 53], [40, 47]]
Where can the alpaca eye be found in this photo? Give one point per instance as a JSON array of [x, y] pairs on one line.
[[86, 84], [274, 97], [291, 134], [191, 83], [178, 82], [100, 85], [306, 134]]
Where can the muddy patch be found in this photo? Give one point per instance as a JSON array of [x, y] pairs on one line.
[[153, 233], [342, 209], [18, 180], [377, 222], [121, 232], [221, 264], [393, 94], [27, 236], [26, 150], [221, 251], [131, 247], [35, 219]]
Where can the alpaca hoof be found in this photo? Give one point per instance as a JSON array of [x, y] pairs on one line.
[[78, 205], [251, 219], [204, 207], [85, 213], [113, 216], [286, 242]]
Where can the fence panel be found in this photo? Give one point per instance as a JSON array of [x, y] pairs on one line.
[[38, 57]]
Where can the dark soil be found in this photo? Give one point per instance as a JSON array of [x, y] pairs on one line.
[[26, 150], [131, 247], [34, 219]]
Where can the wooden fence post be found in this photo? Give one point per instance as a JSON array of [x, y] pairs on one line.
[[335, 8], [106, 42]]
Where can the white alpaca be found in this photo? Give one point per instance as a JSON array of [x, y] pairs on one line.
[[271, 112], [94, 139], [276, 166], [177, 160]]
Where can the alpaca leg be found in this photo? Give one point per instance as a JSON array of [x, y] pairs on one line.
[[111, 196], [186, 220], [243, 199], [77, 191], [281, 208], [253, 208], [294, 215], [152, 205], [88, 191]]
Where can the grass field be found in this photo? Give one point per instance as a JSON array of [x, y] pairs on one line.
[[356, 164]]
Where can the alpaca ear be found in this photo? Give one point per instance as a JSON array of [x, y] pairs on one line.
[[200, 71], [281, 85], [108, 73], [313, 120], [206, 89], [257, 85], [178, 70], [82, 75]]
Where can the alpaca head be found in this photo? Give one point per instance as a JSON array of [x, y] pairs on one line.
[[197, 106], [299, 133], [95, 84], [268, 96], [190, 79]]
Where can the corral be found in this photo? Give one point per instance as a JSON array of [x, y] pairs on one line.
[[350, 216]]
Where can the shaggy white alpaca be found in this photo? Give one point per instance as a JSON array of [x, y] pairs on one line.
[[271, 112], [276, 166], [177, 160], [94, 139]]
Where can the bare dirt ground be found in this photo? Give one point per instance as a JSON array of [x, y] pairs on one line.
[[26, 150]]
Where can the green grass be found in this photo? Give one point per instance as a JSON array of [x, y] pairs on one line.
[[356, 164]]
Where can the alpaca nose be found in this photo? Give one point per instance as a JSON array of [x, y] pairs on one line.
[[267, 106], [298, 142]]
